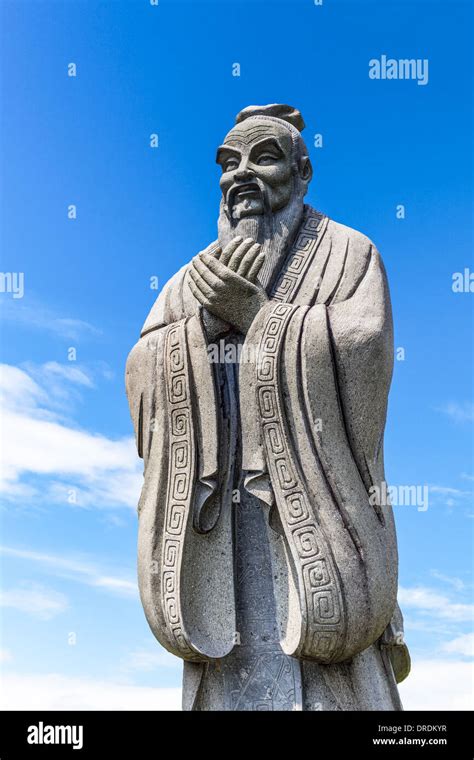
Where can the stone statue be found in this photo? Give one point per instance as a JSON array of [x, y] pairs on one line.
[[258, 391]]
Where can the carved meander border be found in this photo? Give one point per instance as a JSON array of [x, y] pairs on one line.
[[180, 486], [319, 588], [300, 257]]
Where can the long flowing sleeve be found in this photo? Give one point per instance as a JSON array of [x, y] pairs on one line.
[[185, 565], [314, 418]]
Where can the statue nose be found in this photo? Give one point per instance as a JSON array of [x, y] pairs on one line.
[[244, 174]]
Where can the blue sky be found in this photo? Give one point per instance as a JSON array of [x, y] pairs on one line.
[[71, 477]]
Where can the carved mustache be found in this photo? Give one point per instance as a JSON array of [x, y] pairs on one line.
[[254, 186]]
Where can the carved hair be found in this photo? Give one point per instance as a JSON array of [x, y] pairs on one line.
[[277, 110]]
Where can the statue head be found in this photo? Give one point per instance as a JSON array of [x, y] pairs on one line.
[[265, 175], [264, 161]]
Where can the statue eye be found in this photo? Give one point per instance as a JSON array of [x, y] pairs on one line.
[[230, 165], [266, 159]]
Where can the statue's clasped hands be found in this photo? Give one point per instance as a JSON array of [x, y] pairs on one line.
[[225, 282]]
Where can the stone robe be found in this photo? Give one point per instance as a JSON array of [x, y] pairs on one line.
[[263, 560]]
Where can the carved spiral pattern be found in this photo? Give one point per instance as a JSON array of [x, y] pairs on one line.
[[319, 587], [180, 477], [300, 257]]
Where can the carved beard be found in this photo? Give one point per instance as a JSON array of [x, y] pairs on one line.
[[273, 230]]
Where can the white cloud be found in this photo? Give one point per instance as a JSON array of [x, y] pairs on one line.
[[34, 599], [459, 412], [5, 655], [430, 602], [116, 585], [456, 583], [432, 685], [19, 390], [54, 373], [80, 569], [447, 491], [442, 629], [33, 315], [463, 645], [149, 660], [52, 691], [439, 684], [450, 497], [82, 468]]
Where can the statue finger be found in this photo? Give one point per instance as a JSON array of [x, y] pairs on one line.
[[255, 268], [200, 283], [230, 248], [216, 266], [214, 251], [248, 259], [239, 254], [196, 292], [208, 275], [212, 248]]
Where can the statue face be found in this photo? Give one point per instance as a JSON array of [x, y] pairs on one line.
[[256, 160]]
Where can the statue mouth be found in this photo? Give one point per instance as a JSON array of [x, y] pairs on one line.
[[245, 199], [249, 191]]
